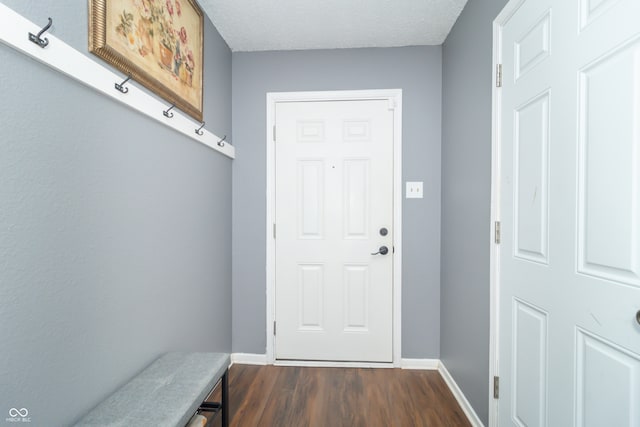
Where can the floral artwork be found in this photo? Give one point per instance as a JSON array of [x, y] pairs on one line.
[[159, 42]]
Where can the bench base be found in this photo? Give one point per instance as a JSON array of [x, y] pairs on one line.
[[223, 405]]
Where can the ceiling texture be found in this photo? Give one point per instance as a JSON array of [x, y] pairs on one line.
[[255, 25]]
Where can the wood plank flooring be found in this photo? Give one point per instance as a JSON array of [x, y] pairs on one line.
[[268, 396]]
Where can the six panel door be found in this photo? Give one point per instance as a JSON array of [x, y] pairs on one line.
[[570, 211], [334, 192]]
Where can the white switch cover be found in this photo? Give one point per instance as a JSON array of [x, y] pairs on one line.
[[414, 190]]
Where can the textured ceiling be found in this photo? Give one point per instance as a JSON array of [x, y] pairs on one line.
[[252, 25]]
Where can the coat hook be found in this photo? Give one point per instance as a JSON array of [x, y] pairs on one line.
[[199, 130], [120, 86], [36, 37], [167, 112], [221, 142]]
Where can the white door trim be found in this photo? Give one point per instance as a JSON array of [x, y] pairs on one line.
[[494, 272], [394, 96]]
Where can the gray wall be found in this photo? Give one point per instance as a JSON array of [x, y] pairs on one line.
[[466, 191], [416, 70], [115, 232]]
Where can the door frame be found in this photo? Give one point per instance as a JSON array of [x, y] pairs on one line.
[[494, 258], [394, 97]]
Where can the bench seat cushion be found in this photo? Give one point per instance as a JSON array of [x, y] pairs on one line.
[[167, 393]]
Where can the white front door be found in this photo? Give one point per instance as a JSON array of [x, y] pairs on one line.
[[569, 334], [334, 212]]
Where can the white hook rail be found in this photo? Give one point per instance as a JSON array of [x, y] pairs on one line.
[[14, 31]]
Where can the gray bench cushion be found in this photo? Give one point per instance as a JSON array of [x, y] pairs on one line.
[[167, 393]]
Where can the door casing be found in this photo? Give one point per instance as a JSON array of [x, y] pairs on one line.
[[494, 270], [394, 97]]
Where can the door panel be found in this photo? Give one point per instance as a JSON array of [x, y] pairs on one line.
[[311, 289], [356, 209], [610, 399], [530, 364], [356, 287], [531, 172], [334, 181], [569, 280], [533, 46], [609, 167], [311, 198]]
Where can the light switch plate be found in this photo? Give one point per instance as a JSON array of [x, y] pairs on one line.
[[414, 190]]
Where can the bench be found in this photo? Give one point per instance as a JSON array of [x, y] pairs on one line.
[[167, 393]]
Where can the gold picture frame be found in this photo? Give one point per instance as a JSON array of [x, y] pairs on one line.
[[158, 42]]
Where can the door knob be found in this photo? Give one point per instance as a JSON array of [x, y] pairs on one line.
[[382, 251], [638, 317]]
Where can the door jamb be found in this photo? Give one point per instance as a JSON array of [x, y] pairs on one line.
[[494, 270], [494, 257], [394, 96]]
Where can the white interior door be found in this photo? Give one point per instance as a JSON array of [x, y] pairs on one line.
[[569, 350], [334, 197]]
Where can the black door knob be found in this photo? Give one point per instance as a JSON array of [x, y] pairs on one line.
[[382, 251]]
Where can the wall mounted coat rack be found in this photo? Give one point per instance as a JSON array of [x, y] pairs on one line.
[[63, 58]]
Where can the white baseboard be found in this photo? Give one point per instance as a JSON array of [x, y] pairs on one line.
[[261, 359], [427, 364], [460, 397], [249, 359], [325, 364]]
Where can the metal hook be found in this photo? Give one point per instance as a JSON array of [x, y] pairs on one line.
[[221, 142], [167, 112], [199, 130], [36, 37], [120, 86]]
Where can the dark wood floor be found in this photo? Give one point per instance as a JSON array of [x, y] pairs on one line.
[[333, 397]]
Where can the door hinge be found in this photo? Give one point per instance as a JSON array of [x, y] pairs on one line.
[[274, 230], [274, 133], [497, 232], [496, 387], [499, 75], [274, 327]]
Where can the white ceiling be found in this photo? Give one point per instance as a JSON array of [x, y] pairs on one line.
[[252, 25]]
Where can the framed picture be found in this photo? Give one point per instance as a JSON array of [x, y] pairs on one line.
[[158, 42]]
